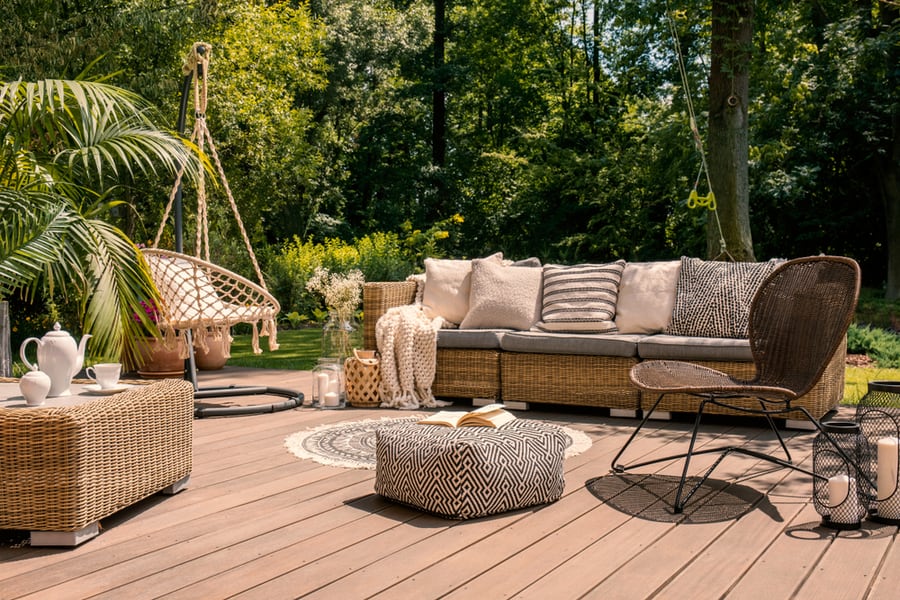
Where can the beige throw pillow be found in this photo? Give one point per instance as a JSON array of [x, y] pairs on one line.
[[503, 297], [447, 284], [647, 296]]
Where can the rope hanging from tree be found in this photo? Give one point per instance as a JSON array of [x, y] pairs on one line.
[[198, 63], [196, 294], [695, 200]]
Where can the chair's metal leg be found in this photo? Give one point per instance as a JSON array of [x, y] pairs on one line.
[[774, 428], [679, 505], [615, 466]]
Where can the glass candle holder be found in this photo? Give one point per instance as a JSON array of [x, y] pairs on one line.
[[328, 384]]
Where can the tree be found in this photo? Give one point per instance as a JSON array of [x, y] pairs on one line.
[[728, 145], [67, 150]]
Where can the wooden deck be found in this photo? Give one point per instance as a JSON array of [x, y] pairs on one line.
[[256, 522]]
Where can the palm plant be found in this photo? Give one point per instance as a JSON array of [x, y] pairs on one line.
[[67, 149]]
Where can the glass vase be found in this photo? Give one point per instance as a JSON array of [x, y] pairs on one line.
[[340, 335]]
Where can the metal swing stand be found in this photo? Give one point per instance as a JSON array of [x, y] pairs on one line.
[[294, 398]]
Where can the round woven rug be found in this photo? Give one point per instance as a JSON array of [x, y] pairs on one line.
[[352, 445]]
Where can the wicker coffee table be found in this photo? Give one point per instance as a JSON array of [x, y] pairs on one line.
[[76, 460]]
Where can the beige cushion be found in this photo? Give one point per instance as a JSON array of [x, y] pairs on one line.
[[580, 298], [503, 297], [713, 298], [647, 296], [447, 284]]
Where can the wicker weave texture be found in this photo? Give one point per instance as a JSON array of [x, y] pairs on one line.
[[62, 468], [362, 380], [378, 298], [819, 401], [467, 374], [600, 381]]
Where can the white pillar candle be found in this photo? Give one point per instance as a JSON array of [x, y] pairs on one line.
[[842, 499], [332, 399], [321, 386], [888, 504], [334, 384]]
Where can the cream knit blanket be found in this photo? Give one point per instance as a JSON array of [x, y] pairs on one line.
[[407, 341]]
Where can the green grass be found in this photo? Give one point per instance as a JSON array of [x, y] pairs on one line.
[[299, 349], [856, 381]]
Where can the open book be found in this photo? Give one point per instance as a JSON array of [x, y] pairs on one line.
[[492, 415]]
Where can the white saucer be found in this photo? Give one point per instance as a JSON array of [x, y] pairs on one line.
[[96, 390]]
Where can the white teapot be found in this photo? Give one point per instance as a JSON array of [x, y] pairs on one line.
[[58, 356]]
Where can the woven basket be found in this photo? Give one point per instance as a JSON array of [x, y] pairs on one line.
[[362, 380]]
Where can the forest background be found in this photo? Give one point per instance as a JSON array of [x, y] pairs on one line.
[[567, 135]]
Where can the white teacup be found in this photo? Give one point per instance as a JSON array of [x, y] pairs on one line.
[[105, 374]]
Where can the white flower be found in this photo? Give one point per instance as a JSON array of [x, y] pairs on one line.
[[342, 292]]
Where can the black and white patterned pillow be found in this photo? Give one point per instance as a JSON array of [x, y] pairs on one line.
[[713, 298], [581, 298]]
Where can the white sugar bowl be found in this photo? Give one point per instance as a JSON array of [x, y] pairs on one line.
[[34, 385]]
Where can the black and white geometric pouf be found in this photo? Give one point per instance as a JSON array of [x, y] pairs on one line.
[[468, 472]]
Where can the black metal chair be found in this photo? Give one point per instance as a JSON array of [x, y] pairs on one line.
[[798, 320]]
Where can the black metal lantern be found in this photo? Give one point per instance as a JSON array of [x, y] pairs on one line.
[[878, 415], [841, 485]]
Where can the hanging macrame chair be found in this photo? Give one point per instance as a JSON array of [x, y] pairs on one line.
[[199, 299]]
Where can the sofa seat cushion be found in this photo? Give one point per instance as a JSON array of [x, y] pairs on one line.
[[678, 347], [471, 339], [536, 342]]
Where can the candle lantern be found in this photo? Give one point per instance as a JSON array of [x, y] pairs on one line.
[[328, 384], [841, 486], [878, 415]]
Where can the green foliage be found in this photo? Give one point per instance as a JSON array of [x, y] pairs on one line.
[[881, 345], [67, 150]]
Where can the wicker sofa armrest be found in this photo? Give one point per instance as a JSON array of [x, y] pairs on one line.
[[380, 296]]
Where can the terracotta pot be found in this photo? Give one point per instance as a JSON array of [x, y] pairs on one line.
[[214, 357], [159, 361]]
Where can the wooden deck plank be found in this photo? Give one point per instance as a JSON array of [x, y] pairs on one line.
[[786, 563], [256, 522], [641, 552], [850, 564], [886, 583]]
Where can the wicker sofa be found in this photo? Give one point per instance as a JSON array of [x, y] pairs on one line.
[[585, 369]]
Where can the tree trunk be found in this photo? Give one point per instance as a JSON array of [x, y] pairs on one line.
[[889, 172], [439, 112], [728, 145]]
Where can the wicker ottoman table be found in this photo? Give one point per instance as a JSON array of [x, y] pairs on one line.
[[468, 472], [76, 460]]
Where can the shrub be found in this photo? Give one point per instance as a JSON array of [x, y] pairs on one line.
[[379, 256], [879, 344]]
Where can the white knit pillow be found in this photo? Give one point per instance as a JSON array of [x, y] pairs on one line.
[[581, 298], [447, 285], [503, 297]]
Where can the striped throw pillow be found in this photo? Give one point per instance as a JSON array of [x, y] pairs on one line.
[[581, 298]]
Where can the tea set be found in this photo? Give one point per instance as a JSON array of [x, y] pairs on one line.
[[59, 359]]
